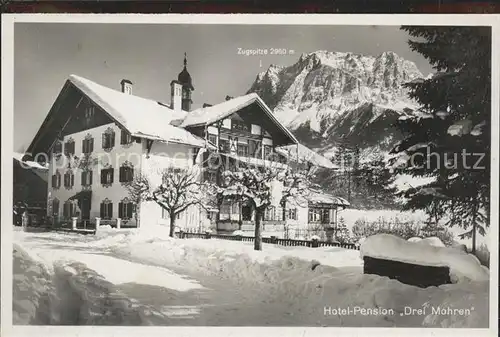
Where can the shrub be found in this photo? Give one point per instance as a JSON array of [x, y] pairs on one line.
[[483, 255], [403, 228]]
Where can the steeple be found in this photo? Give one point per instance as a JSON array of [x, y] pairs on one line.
[[184, 78]]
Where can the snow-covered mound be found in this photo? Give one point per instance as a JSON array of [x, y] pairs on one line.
[[389, 247]]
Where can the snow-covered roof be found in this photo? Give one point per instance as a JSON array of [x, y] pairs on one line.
[[305, 155], [214, 113], [319, 197], [142, 117], [31, 164]]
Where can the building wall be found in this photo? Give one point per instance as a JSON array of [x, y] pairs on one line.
[[161, 156], [115, 158]]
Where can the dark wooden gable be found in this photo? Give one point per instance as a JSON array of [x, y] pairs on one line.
[[66, 116], [255, 114]]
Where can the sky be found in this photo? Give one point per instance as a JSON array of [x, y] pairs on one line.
[[45, 54]]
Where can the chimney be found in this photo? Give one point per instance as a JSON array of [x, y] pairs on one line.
[[175, 95], [126, 86], [229, 97]]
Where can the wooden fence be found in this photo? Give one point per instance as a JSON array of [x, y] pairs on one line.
[[270, 240]]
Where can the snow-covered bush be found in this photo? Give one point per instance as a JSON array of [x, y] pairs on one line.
[[405, 229]]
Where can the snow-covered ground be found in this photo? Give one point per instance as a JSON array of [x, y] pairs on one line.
[[217, 282]]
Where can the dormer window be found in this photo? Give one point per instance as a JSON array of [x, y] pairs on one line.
[[69, 147], [126, 138], [108, 139], [88, 144]]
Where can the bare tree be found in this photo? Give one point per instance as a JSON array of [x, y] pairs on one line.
[[253, 185], [139, 190], [180, 189]]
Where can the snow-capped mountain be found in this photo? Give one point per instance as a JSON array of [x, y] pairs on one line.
[[331, 97]]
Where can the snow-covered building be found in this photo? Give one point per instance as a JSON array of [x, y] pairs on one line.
[[97, 139]]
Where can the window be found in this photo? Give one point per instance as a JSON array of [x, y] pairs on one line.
[[125, 209], [108, 139], [292, 214], [69, 210], [270, 213], [89, 115], [87, 178], [126, 174], [106, 209], [224, 145], [243, 150], [212, 139], [57, 147], [239, 125], [55, 207], [233, 144], [69, 179], [107, 176], [69, 147], [126, 137], [314, 215], [255, 148], [88, 144], [56, 180], [210, 176], [268, 150]]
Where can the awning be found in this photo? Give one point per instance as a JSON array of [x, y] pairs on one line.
[[82, 195]]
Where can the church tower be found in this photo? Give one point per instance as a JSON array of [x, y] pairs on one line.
[[184, 78]]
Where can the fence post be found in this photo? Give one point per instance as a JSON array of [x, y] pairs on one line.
[[118, 223], [73, 222], [314, 243], [207, 235]]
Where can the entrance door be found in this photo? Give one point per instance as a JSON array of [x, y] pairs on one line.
[[85, 208]]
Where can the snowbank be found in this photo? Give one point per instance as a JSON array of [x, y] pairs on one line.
[[462, 265], [431, 241]]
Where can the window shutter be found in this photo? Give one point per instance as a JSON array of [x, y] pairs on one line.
[[84, 181], [54, 180], [120, 210], [120, 178], [112, 172], [58, 180], [112, 140], [129, 211], [91, 145], [72, 182], [122, 140], [102, 210], [90, 174], [104, 145], [131, 174], [103, 173], [110, 210], [84, 147]]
